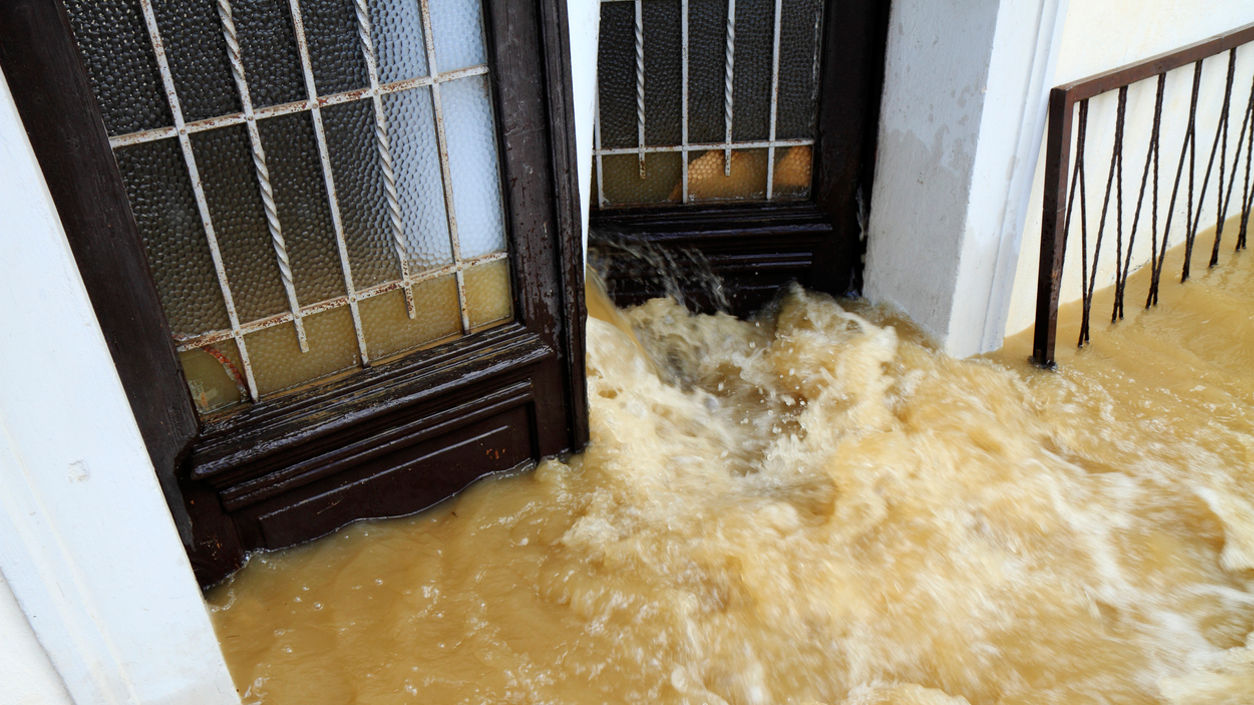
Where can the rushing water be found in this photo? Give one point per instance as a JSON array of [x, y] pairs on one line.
[[816, 507]]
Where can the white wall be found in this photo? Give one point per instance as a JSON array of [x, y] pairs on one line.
[[87, 545], [584, 17], [1101, 35], [961, 118], [27, 675]]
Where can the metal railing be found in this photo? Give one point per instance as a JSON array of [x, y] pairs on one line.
[[1065, 181]]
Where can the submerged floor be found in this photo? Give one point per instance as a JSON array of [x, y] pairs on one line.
[[816, 509]]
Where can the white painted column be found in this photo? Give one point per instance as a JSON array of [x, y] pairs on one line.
[[963, 113], [87, 544], [584, 18]]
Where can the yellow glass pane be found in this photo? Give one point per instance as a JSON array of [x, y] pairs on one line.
[[489, 300], [215, 376], [278, 362], [662, 182], [792, 172], [389, 329], [708, 179]]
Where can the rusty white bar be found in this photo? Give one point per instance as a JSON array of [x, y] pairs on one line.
[[298, 106], [752, 144], [770, 151], [189, 342], [202, 205], [366, 33], [640, 83], [328, 178], [728, 65], [596, 151], [683, 100], [262, 170], [441, 143]]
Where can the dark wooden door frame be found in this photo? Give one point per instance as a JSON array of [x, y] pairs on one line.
[[758, 247], [391, 439]]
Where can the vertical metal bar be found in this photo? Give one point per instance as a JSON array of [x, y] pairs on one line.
[[639, 83], [1155, 276], [445, 174], [324, 154], [1151, 157], [1190, 224], [1053, 241], [262, 171], [596, 136], [728, 67], [770, 151], [202, 205], [683, 80], [1221, 205], [366, 33]]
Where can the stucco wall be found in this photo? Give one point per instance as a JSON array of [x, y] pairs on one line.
[[1101, 35]]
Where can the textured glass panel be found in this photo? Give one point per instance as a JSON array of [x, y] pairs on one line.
[[398, 42], [662, 72], [334, 46], [120, 63], [662, 182], [471, 133], [215, 376], [707, 180], [751, 74], [192, 33], [359, 186], [278, 362], [616, 75], [174, 237], [268, 48], [798, 68], [707, 56], [488, 298], [457, 27], [304, 212], [792, 172], [411, 122], [390, 330], [224, 158]]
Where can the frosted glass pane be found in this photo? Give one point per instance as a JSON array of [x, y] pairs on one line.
[[616, 75], [398, 41], [334, 46], [196, 51], [471, 133], [707, 180], [304, 212], [224, 158], [215, 376], [662, 183], [707, 39], [411, 123], [751, 74], [457, 26], [279, 364], [390, 330], [268, 49], [174, 238], [798, 68], [120, 64], [792, 172], [488, 298], [663, 77]]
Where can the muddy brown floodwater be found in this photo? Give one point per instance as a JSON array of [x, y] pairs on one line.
[[816, 507]]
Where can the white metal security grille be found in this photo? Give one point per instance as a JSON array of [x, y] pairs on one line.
[[806, 16], [314, 104]]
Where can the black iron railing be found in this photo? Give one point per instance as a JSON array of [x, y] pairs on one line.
[[1070, 102]]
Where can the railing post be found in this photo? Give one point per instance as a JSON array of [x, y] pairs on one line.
[[1053, 227]]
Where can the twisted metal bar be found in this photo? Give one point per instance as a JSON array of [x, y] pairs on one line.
[[262, 171], [640, 84], [727, 83], [384, 144]]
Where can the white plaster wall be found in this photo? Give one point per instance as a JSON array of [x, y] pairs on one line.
[[87, 544], [26, 674], [584, 17], [1101, 35]]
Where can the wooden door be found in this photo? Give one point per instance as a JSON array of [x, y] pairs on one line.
[[333, 244]]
